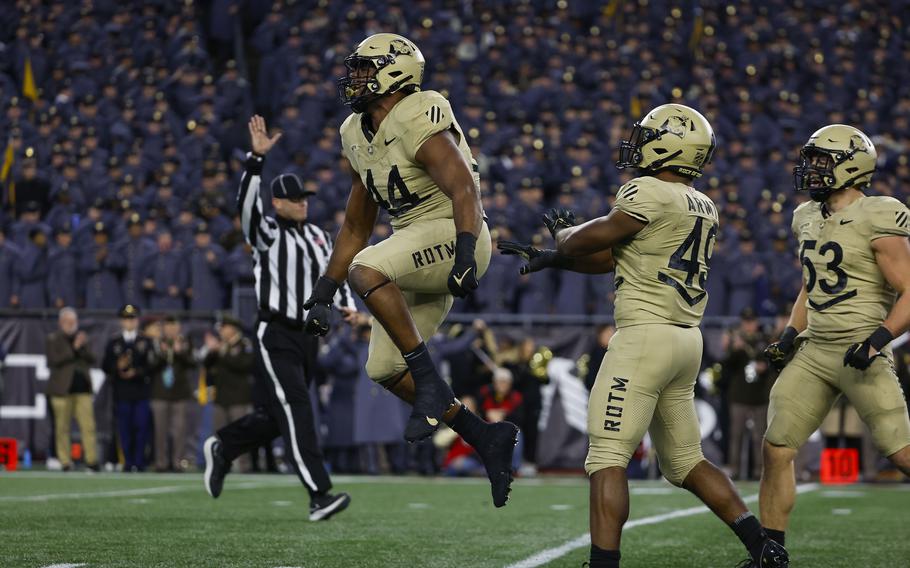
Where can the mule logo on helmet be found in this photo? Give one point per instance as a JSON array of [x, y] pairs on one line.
[[857, 144], [400, 47], [676, 125]]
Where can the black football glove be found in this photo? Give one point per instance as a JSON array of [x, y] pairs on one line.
[[463, 276], [778, 353], [558, 219], [319, 306], [536, 259], [857, 355]]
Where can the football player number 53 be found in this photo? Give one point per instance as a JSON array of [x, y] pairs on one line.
[[689, 258], [832, 266]]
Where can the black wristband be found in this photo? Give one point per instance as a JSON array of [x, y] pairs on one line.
[[880, 338], [465, 243], [789, 335], [254, 163], [324, 290], [554, 259]]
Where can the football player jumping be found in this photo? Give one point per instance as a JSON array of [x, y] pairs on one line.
[[659, 238], [407, 154], [854, 301]]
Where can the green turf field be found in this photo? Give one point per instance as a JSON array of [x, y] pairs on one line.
[[146, 520]]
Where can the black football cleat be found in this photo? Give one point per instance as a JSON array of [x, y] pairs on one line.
[[216, 466], [773, 555], [495, 449], [323, 507], [432, 398]]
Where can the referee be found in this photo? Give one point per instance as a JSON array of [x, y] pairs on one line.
[[289, 254]]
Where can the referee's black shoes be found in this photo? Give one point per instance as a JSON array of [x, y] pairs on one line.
[[322, 507], [216, 467]]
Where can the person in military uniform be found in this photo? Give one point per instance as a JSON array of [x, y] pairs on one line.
[[102, 283], [407, 155], [229, 363], [129, 359], [172, 392], [854, 301], [658, 238]]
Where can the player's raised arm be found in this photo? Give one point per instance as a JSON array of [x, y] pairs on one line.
[[448, 168]]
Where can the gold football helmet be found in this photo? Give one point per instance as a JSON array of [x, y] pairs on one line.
[[380, 65], [670, 137], [835, 157]]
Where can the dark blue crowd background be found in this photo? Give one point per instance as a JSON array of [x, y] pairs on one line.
[[123, 129]]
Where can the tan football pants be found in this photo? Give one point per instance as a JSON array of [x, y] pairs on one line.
[[809, 385], [646, 384], [418, 258]]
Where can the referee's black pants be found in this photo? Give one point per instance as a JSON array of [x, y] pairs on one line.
[[285, 356]]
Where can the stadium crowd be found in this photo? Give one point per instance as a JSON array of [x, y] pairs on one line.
[[124, 134]]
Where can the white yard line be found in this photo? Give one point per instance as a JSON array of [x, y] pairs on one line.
[[551, 554], [126, 492]]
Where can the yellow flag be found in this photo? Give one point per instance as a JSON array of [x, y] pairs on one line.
[[5, 169], [698, 30], [29, 89], [7, 162], [203, 393], [635, 106]]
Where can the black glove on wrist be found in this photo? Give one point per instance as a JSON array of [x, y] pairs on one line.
[[536, 259], [778, 353], [558, 219], [463, 277], [857, 355], [319, 306]]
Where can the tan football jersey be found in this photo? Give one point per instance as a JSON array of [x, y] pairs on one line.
[[661, 272], [848, 298], [386, 160]]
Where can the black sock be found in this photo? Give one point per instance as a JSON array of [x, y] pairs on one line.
[[601, 558], [468, 425], [420, 363], [776, 536], [749, 531]]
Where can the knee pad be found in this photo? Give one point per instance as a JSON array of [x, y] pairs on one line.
[[604, 453], [677, 467], [382, 370], [778, 434]]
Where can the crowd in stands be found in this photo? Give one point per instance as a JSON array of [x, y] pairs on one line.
[[162, 380], [123, 129]]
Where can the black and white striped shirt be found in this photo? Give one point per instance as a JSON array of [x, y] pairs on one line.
[[288, 257]]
